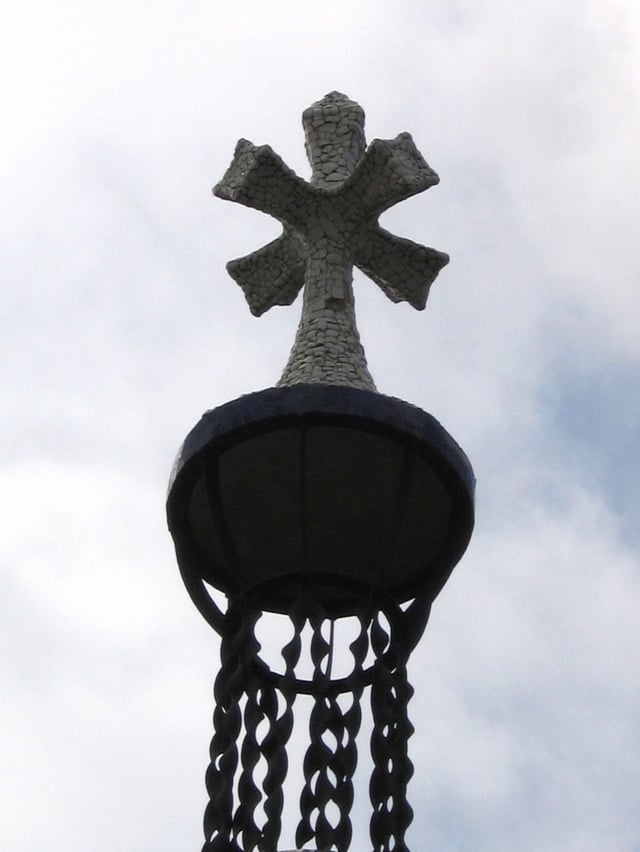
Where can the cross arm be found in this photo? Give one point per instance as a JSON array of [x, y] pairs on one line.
[[389, 171], [258, 178], [403, 270], [272, 275]]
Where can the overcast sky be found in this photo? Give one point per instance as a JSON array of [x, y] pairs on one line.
[[121, 326]]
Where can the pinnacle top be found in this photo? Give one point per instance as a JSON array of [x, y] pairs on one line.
[[334, 138], [330, 225]]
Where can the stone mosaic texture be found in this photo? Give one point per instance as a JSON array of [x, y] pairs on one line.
[[330, 225]]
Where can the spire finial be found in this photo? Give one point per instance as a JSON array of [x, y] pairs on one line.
[[330, 225]]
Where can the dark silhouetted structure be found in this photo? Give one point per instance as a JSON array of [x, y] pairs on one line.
[[321, 505]]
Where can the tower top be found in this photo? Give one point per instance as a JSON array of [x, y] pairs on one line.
[[322, 506], [330, 225], [334, 138]]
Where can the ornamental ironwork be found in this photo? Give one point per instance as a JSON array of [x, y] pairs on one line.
[[319, 510]]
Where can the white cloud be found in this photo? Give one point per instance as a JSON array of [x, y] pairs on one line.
[[121, 326]]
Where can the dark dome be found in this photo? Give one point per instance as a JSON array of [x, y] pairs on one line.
[[346, 490]]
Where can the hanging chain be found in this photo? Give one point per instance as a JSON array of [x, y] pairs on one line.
[[274, 744], [332, 755], [392, 768], [245, 829], [233, 680], [242, 678], [253, 722]]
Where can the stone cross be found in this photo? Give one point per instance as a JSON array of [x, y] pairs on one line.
[[330, 224]]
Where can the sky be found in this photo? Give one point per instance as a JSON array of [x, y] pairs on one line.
[[121, 326]]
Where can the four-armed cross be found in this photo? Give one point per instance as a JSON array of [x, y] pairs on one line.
[[329, 225]]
